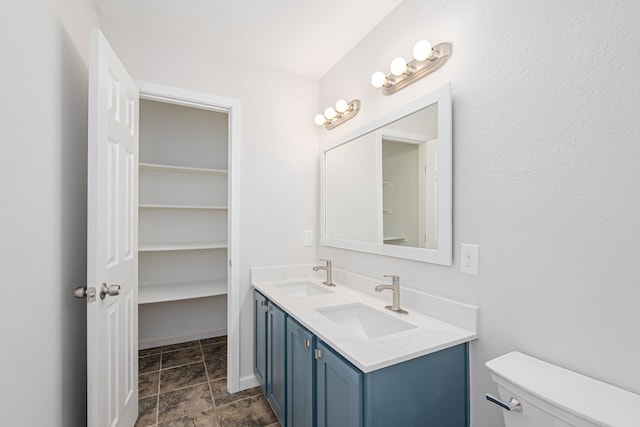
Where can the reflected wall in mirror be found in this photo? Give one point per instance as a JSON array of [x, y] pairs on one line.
[[387, 188]]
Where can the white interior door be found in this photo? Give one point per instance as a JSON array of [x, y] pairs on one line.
[[112, 242]]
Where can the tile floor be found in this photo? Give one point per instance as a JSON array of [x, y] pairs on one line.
[[185, 385]]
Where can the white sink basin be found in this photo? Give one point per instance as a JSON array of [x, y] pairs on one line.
[[364, 321], [303, 289]]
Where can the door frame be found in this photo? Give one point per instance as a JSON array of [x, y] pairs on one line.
[[187, 98]]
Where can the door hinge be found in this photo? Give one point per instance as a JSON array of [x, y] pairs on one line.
[[318, 353], [307, 343]]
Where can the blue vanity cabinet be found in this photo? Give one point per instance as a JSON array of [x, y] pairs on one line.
[[339, 396], [277, 360], [432, 390], [308, 384], [269, 352], [300, 375], [260, 339]]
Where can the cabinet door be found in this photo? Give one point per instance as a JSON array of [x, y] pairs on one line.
[[260, 339], [339, 390], [277, 361], [430, 390], [300, 383]]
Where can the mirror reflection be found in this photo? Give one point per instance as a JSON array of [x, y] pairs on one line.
[[382, 187], [387, 187]]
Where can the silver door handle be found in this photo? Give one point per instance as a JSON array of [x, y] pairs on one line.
[[514, 404], [111, 290], [84, 292]]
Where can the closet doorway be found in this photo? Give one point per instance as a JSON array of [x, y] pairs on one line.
[[188, 252]]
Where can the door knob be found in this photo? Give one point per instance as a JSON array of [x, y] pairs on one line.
[[84, 292], [111, 290]]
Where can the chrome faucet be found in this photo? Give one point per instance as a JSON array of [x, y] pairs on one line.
[[395, 287], [327, 268]]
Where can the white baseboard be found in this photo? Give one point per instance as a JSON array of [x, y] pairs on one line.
[[157, 342], [248, 382]]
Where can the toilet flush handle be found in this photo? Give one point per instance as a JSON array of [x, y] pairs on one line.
[[513, 405]]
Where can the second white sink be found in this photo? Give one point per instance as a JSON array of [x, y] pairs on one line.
[[364, 321]]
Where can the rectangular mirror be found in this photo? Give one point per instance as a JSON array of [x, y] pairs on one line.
[[387, 188]]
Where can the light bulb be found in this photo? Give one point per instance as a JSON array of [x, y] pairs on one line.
[[398, 66], [330, 113], [378, 79], [319, 119], [422, 50], [341, 106]]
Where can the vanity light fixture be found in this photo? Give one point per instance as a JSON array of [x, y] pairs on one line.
[[426, 60], [333, 117]]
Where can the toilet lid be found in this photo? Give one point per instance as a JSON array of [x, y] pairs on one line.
[[582, 396]]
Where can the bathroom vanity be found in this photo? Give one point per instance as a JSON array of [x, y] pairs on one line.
[[333, 356]]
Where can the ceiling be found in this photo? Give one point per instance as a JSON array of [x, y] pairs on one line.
[[302, 37]]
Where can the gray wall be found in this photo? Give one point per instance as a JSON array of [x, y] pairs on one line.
[[43, 156], [546, 100]]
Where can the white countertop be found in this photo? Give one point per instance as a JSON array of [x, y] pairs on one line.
[[428, 336]]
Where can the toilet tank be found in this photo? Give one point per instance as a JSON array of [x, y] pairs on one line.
[[552, 396]]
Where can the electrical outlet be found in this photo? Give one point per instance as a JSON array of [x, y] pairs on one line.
[[308, 238], [469, 259]]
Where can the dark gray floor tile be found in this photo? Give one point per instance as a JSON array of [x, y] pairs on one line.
[[149, 351], [148, 364], [147, 412], [148, 384], [215, 358], [204, 419], [185, 402], [215, 340], [185, 356], [221, 396], [250, 412], [181, 345], [182, 376]]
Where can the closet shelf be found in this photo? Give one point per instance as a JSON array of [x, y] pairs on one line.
[[182, 246], [151, 206], [153, 293], [394, 238], [180, 169]]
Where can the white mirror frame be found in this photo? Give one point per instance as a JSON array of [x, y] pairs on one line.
[[442, 255]]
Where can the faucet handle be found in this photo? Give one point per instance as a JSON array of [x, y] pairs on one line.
[[327, 261], [394, 277]]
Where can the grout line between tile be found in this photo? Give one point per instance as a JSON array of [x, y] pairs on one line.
[[206, 371], [158, 397], [184, 364]]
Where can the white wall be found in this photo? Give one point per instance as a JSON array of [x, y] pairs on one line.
[[546, 100], [352, 182], [279, 147], [43, 156]]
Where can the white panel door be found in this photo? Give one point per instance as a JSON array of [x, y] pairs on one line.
[[112, 242]]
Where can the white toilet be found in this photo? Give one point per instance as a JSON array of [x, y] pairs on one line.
[[549, 396]]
